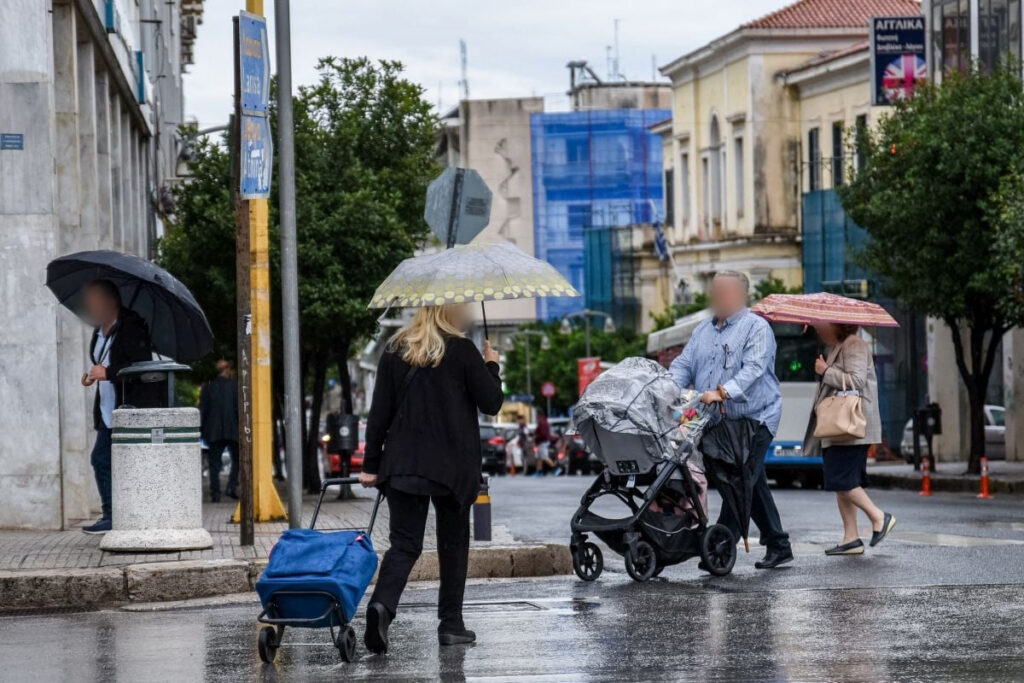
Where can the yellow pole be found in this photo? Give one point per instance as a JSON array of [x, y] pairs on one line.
[[267, 504]]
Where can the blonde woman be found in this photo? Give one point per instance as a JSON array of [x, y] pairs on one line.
[[850, 365], [423, 446]]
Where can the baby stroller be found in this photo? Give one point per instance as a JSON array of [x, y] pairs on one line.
[[315, 579], [645, 431]]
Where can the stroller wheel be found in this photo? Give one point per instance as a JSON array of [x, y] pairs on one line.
[[658, 570], [346, 644], [718, 550], [641, 563], [587, 561], [268, 644]]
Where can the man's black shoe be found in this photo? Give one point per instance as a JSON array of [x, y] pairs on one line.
[[464, 637], [774, 558], [215, 498], [377, 621], [232, 494]]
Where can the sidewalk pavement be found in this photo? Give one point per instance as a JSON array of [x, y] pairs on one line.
[[66, 569], [1005, 477]]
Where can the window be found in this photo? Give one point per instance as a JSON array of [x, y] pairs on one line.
[[951, 36], [705, 182], [813, 160], [684, 181], [738, 164], [669, 193], [837, 153], [579, 220], [998, 31], [861, 133]]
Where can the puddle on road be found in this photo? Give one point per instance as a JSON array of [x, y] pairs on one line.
[[952, 540], [489, 606]]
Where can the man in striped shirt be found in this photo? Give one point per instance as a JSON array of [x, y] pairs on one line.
[[731, 360]]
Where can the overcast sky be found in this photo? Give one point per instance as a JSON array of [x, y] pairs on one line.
[[515, 47]]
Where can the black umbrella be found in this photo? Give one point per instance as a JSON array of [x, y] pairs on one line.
[[727, 462], [177, 325]]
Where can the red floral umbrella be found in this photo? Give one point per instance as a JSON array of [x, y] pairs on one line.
[[807, 309]]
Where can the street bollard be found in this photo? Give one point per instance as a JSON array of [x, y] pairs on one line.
[[926, 476], [158, 482], [482, 513], [984, 479]]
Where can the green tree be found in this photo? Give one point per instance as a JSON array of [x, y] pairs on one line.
[[364, 153], [772, 285], [935, 194], [558, 363], [670, 315]]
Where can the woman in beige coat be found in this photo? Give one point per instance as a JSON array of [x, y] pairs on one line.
[[845, 461]]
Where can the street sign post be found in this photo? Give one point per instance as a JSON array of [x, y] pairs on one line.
[[256, 157], [547, 390], [254, 63], [458, 206], [588, 370]]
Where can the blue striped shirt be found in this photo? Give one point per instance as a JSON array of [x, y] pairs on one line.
[[739, 355]]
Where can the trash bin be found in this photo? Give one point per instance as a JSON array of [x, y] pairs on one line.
[[150, 383], [157, 481]]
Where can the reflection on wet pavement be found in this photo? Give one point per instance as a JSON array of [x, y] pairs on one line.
[[564, 630]]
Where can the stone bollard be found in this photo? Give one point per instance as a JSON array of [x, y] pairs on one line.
[[157, 477]]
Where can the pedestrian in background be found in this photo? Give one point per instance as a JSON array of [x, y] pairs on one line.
[[423, 446], [120, 339], [218, 415], [542, 441], [849, 366], [731, 360]]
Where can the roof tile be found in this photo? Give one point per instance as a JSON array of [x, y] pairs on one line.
[[833, 13]]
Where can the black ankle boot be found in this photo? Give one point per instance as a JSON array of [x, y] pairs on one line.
[[378, 619]]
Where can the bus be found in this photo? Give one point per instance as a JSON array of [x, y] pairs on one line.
[[785, 461]]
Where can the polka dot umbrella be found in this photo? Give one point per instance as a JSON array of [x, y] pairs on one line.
[[487, 271]]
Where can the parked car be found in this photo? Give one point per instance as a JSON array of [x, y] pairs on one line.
[[995, 436], [493, 436]]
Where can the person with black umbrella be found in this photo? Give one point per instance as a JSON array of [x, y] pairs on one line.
[[730, 358], [120, 339]]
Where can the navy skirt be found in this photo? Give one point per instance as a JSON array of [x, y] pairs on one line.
[[846, 467]]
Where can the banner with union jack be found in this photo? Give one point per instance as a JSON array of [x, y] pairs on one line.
[[897, 58]]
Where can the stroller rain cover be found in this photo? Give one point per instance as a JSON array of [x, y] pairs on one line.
[[636, 396]]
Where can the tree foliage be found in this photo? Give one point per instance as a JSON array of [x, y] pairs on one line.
[[936, 195], [558, 363], [364, 153]]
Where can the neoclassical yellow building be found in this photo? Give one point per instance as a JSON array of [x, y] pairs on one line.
[[736, 153]]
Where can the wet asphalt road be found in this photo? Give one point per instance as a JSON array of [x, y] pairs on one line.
[[941, 599]]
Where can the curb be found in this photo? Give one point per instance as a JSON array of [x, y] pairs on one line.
[[181, 580], [962, 484]]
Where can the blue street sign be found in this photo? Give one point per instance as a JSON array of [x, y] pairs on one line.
[[256, 158], [254, 59], [12, 141]]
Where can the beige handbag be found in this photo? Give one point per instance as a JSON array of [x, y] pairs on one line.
[[840, 416]]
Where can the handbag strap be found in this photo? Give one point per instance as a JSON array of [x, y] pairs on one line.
[[403, 390]]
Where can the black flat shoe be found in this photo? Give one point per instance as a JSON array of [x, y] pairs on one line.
[[774, 558], [464, 637], [377, 622], [855, 547], [888, 522]]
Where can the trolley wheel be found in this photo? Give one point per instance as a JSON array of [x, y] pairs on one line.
[[641, 562], [718, 550], [587, 561], [268, 644], [345, 641]]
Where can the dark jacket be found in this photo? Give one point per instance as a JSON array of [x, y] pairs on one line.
[[218, 410], [129, 345], [435, 433]]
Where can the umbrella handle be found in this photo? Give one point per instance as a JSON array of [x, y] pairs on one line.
[[483, 310], [746, 544]]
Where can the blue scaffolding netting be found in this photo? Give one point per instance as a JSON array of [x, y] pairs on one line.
[[591, 169]]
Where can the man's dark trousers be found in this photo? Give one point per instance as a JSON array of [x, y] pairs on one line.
[[213, 461], [762, 505], [408, 519], [101, 467]]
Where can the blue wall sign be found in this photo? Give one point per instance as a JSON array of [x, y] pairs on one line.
[[897, 58], [12, 141], [256, 158], [254, 60]]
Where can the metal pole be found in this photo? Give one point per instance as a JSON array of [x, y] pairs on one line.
[[289, 263], [586, 318]]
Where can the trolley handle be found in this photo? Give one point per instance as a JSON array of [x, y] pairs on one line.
[[342, 481]]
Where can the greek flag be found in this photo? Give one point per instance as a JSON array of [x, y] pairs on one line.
[[660, 243]]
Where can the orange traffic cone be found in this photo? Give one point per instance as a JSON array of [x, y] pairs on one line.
[[984, 479], [926, 477]]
